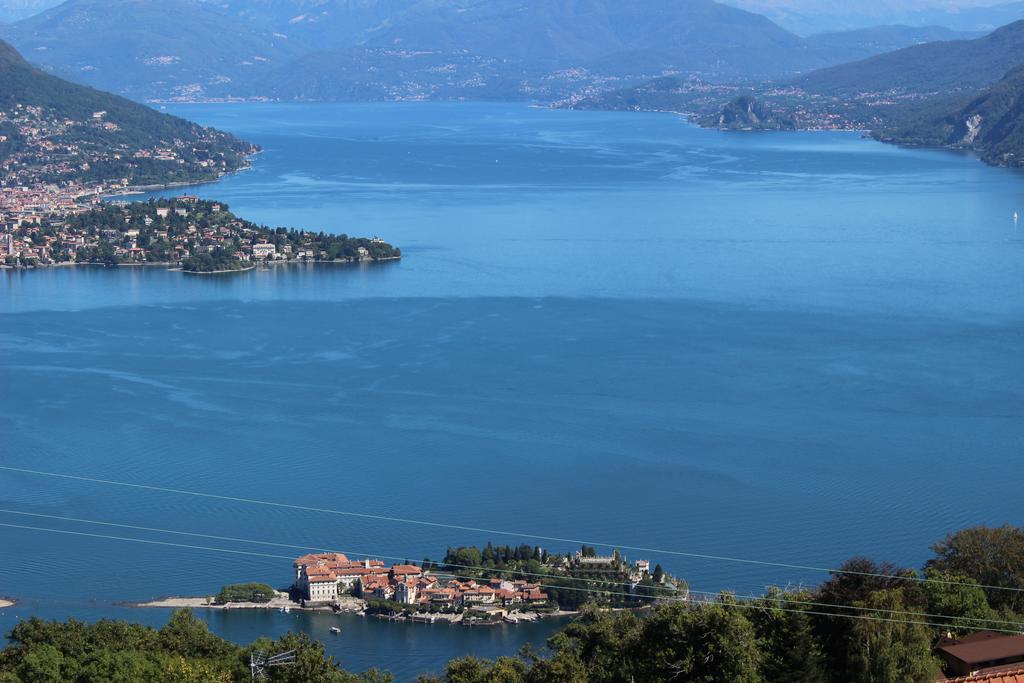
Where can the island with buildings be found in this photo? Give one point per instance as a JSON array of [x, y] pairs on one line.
[[471, 586], [193, 234]]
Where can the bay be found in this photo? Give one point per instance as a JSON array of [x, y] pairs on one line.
[[608, 327]]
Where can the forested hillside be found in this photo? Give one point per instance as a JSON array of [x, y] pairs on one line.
[[991, 123], [938, 67], [60, 131]]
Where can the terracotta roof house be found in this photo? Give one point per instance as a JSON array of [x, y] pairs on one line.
[[1014, 676]]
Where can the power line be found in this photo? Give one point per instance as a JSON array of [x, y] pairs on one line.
[[497, 532], [740, 605], [788, 600]]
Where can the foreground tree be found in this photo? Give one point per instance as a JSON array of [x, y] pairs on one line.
[[790, 647], [960, 601], [992, 556], [891, 645]]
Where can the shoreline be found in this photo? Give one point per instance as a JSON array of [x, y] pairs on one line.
[[134, 190], [175, 268], [350, 605], [278, 602]]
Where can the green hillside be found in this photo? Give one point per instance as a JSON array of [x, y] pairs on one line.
[[105, 131], [991, 123]]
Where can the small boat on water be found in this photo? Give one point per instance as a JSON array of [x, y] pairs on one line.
[[335, 630]]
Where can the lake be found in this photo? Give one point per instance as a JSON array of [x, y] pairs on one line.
[[615, 328]]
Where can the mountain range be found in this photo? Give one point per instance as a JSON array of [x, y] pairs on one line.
[[140, 47], [13, 10], [862, 92], [807, 17], [939, 66], [411, 49]]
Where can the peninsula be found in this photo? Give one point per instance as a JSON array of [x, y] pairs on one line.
[[195, 235]]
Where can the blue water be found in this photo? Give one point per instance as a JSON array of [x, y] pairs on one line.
[[608, 327]]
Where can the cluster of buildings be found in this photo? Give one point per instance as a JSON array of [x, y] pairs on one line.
[[50, 164], [165, 232], [38, 203], [48, 153], [322, 579]]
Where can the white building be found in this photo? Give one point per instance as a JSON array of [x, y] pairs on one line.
[[323, 588], [263, 250], [405, 593]]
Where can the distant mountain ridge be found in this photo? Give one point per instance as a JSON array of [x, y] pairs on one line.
[[867, 93], [13, 10], [812, 16], [872, 40], [411, 49], [137, 47], [932, 67]]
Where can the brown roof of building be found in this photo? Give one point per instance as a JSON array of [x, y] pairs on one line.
[[984, 647]]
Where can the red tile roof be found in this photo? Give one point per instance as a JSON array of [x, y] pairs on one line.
[[406, 569], [329, 578], [1015, 676], [320, 557]]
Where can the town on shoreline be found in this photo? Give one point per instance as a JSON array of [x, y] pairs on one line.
[[186, 233], [470, 587]]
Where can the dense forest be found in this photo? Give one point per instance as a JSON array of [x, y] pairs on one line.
[[868, 622]]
